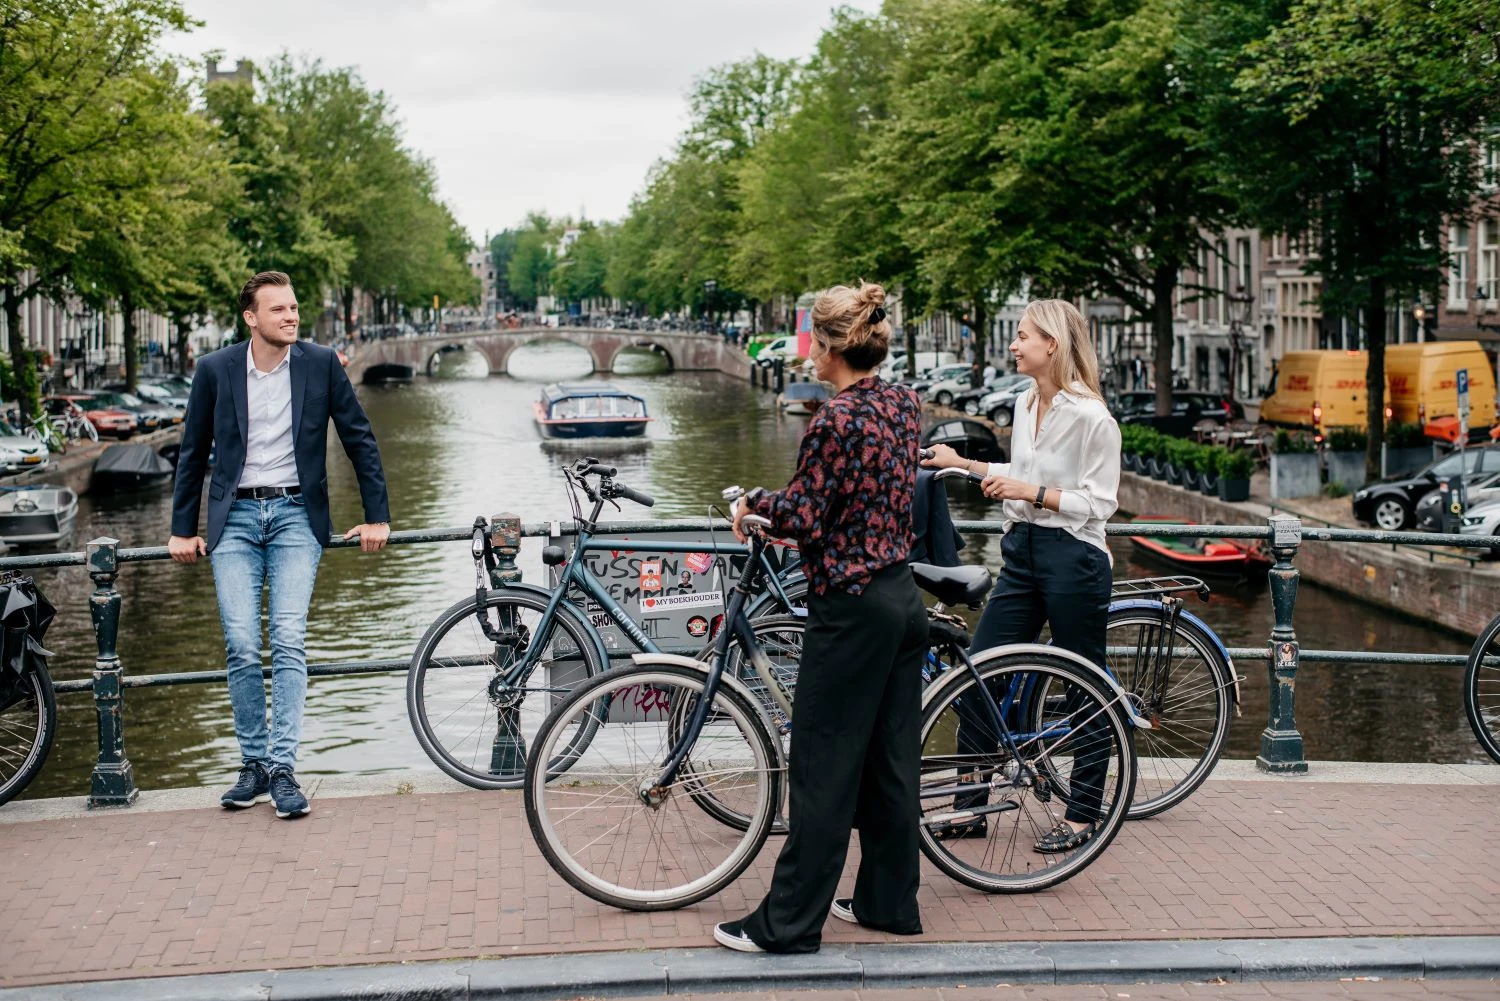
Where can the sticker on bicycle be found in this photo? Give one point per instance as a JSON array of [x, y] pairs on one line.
[[702, 599], [699, 562], [651, 575]]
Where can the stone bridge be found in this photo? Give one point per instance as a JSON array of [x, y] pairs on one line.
[[683, 351]]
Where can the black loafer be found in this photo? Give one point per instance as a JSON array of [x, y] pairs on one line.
[[1063, 838]]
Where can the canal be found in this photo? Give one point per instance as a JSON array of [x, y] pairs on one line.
[[456, 447]]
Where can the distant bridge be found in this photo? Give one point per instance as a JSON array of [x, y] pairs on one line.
[[683, 351]]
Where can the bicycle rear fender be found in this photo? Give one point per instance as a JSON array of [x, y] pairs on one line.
[[570, 610], [1146, 603], [954, 677], [726, 679]]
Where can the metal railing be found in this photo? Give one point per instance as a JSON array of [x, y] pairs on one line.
[[112, 782]]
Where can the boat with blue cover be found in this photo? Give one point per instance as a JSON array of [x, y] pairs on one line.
[[590, 410]]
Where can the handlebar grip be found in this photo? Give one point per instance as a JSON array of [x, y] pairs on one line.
[[756, 521], [924, 453], [599, 470], [644, 500], [953, 471]]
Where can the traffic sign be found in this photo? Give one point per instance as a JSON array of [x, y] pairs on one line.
[[1463, 394]]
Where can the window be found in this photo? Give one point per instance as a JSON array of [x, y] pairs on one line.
[[1490, 175], [1268, 297], [1489, 262], [1242, 263], [1275, 252], [1458, 264]]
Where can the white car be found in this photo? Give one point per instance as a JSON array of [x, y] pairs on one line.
[[20, 452], [1000, 406], [946, 382], [1483, 519]]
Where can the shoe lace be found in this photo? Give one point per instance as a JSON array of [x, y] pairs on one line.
[[280, 781], [248, 775]]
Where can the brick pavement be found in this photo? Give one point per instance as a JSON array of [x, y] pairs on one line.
[[400, 878]]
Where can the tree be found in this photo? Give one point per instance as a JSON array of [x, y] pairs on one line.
[[1358, 123], [78, 120], [580, 274], [529, 270]]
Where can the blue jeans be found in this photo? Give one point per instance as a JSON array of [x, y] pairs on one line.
[[267, 544]]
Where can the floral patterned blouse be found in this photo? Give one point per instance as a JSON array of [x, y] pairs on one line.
[[849, 505]]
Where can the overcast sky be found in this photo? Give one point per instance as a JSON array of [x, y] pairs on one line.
[[557, 105]]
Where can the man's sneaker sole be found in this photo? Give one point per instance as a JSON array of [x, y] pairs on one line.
[[843, 909], [244, 804], [289, 814], [739, 943]]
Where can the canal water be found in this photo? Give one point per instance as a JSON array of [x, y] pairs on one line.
[[455, 447]]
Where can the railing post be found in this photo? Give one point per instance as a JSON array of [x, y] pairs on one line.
[[508, 752], [1280, 743], [113, 783]]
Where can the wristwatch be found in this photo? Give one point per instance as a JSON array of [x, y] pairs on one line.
[[1041, 498]]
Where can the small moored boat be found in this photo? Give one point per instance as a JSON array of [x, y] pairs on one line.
[[1213, 556], [803, 397], [34, 514], [590, 410], [129, 467]]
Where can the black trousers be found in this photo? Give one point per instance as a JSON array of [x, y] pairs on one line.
[[855, 760], [1054, 578]]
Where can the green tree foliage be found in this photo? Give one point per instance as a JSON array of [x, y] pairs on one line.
[[581, 273], [529, 270], [1357, 124]]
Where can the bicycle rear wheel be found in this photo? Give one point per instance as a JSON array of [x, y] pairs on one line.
[[1005, 794], [592, 823], [28, 724], [1482, 689], [1183, 684]]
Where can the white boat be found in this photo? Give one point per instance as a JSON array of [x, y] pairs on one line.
[[34, 514], [803, 397]]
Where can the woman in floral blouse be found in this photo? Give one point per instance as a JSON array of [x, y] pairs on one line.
[[855, 755]]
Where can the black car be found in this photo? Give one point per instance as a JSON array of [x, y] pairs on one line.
[[1390, 504], [968, 400], [1188, 408]]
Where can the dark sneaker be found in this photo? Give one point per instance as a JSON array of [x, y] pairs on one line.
[[731, 935], [254, 786], [843, 909], [287, 795]]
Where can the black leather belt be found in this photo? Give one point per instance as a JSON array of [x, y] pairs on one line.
[[265, 493]]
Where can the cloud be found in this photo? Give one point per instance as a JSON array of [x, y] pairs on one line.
[[523, 104]]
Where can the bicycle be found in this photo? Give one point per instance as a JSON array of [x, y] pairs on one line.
[[490, 666], [28, 703], [1482, 689], [42, 428], [683, 754]]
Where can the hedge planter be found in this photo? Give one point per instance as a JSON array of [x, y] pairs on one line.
[[1234, 490], [1190, 479], [1294, 474], [1131, 462], [1347, 468], [1173, 474], [1401, 461], [1156, 468], [1208, 484]]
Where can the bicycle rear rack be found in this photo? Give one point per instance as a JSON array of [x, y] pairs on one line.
[[1145, 587]]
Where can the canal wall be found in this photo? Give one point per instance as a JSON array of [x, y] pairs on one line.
[[1450, 593]]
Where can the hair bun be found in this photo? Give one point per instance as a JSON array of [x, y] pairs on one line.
[[871, 294]]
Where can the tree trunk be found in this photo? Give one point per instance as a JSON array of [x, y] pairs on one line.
[[184, 330], [348, 299], [1163, 282], [23, 372], [980, 330], [132, 360], [1375, 313], [910, 329]]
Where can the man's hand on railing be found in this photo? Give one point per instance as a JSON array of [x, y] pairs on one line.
[[371, 537], [185, 550]]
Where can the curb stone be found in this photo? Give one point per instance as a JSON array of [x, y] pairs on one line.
[[867, 967]]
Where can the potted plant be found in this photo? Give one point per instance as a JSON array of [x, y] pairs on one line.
[[1294, 466], [1190, 462], [1405, 450], [1234, 468], [1130, 447], [1345, 456], [1174, 460], [1208, 469], [1156, 452]]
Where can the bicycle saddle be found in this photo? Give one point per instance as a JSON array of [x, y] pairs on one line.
[[953, 585]]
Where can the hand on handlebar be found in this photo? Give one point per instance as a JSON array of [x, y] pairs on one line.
[[942, 457]]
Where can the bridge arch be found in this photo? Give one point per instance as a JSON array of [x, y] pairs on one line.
[[469, 350]]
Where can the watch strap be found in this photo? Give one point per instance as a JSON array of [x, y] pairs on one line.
[[1041, 498]]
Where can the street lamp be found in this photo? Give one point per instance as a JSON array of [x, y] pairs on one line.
[[1240, 302], [1425, 319]]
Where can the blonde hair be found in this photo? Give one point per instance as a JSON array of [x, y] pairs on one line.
[[1074, 361], [851, 322]]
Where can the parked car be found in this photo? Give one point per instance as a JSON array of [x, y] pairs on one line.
[[148, 416], [155, 392], [1483, 519], [1391, 504], [109, 421], [1139, 407], [784, 348], [895, 365], [1000, 406], [19, 452], [1429, 510], [943, 383], [968, 399]]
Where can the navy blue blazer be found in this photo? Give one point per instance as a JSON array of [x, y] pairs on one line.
[[217, 416]]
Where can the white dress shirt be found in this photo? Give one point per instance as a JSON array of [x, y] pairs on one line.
[[1075, 451], [270, 459]]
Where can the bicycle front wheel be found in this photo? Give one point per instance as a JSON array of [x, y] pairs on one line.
[[472, 717], [1183, 684], [595, 826], [991, 789], [1482, 689], [28, 724]]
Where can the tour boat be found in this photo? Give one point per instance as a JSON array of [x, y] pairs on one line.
[[803, 397], [590, 410], [1221, 556], [33, 514]]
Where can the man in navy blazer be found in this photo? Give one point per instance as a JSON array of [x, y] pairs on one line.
[[264, 405]]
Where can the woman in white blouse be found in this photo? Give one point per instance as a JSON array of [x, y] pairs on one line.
[[1058, 490]]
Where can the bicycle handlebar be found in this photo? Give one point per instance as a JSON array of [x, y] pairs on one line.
[[596, 469], [952, 472], [621, 490]]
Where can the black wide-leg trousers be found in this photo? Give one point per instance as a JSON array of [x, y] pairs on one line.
[[855, 761], [1054, 578]]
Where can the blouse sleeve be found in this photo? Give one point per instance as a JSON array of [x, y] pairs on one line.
[[1098, 490], [799, 509], [998, 469]]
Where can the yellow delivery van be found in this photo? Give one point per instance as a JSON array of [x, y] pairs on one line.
[[1424, 381], [1319, 390]]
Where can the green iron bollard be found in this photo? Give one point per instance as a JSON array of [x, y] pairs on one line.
[[113, 783], [1280, 743], [508, 752]]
